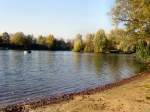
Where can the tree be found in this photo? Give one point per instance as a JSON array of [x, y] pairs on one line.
[[41, 40], [143, 51], [100, 41], [59, 44], [134, 14], [62, 44], [5, 38], [69, 45], [78, 44], [1, 40], [29, 41], [50, 41], [122, 40], [89, 47], [18, 39], [115, 37]]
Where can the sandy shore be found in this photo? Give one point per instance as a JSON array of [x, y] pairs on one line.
[[131, 97]]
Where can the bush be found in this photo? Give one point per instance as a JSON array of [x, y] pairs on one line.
[[143, 52]]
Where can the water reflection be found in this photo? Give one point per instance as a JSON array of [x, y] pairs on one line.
[[113, 66], [77, 59], [45, 73], [98, 62]]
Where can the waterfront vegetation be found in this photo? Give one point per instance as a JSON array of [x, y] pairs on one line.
[[117, 41], [44, 75], [133, 38]]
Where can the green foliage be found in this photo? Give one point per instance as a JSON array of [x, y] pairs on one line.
[[5, 38], [115, 37], [50, 41], [134, 14], [18, 39], [125, 45], [21, 41], [143, 51], [41, 40], [60, 45], [124, 41], [89, 45], [78, 44], [100, 41]]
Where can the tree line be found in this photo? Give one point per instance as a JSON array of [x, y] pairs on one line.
[[117, 41], [134, 15], [21, 41]]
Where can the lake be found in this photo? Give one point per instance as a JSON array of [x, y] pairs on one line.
[[44, 73]]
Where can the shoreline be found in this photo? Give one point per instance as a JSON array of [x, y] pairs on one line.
[[68, 97]]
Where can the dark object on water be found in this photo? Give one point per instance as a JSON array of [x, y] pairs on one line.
[[29, 51]]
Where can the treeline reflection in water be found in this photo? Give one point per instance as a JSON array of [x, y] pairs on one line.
[[45, 73]]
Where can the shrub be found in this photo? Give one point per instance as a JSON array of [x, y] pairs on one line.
[[143, 52]]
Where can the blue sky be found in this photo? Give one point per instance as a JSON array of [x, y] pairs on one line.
[[63, 18]]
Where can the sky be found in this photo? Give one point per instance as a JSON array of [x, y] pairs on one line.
[[63, 18]]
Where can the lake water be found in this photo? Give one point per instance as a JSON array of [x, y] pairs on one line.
[[45, 73]]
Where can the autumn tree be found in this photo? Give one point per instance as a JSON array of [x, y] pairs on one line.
[[100, 41], [41, 40], [49, 42], [122, 40], [134, 14], [89, 45], [18, 39], [78, 43]]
